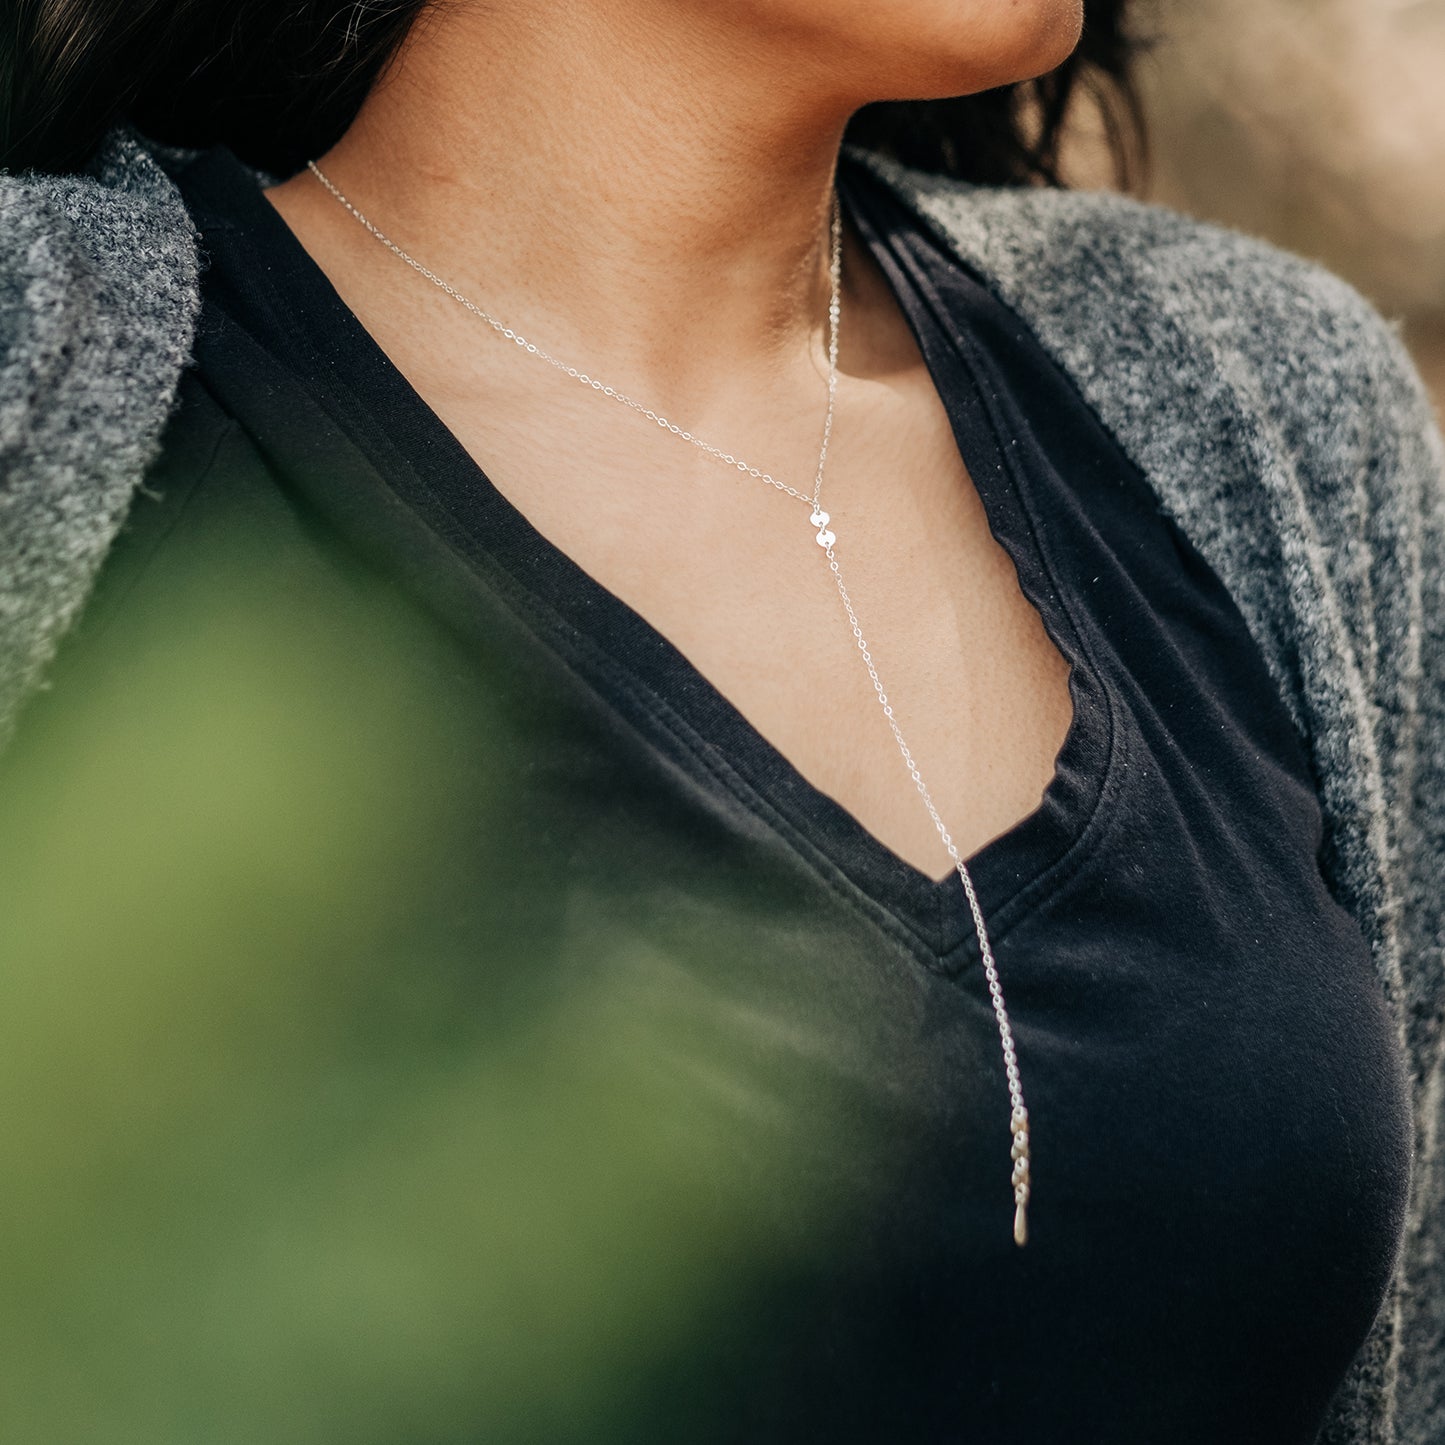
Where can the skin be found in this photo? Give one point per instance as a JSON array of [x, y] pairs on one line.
[[642, 187]]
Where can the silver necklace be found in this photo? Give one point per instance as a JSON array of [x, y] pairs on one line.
[[825, 538]]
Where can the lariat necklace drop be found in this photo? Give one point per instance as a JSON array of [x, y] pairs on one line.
[[826, 539]]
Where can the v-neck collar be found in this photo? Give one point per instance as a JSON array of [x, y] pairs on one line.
[[354, 387]]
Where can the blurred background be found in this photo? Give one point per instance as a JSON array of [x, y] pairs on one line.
[[1317, 124]]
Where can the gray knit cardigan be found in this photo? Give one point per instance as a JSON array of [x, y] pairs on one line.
[[1274, 411]]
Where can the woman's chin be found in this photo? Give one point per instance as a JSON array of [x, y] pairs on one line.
[[1000, 43], [929, 49]]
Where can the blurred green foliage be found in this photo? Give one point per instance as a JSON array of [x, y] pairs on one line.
[[275, 1168]]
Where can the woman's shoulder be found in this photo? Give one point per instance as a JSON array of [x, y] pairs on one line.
[[99, 297], [1077, 242], [1113, 282], [1260, 393], [1279, 418]]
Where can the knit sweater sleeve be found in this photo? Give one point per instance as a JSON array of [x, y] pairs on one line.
[[1383, 548], [1406, 462], [98, 299]]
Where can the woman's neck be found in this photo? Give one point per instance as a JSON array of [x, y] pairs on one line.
[[658, 196]]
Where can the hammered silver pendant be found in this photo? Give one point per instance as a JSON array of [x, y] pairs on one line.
[[820, 520]]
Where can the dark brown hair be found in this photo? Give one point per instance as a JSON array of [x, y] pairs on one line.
[[280, 80]]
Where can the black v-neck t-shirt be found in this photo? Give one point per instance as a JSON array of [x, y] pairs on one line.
[[1219, 1122]]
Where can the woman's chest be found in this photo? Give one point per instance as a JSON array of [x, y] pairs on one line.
[[728, 569], [1219, 1127], [1220, 1135]]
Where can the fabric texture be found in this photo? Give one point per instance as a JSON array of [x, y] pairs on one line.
[[99, 294], [1274, 412]]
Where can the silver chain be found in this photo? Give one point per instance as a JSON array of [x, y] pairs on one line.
[[819, 519]]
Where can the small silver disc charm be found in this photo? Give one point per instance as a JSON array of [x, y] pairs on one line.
[[820, 520]]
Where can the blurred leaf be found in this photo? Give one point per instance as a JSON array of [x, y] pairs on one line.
[[275, 1166]]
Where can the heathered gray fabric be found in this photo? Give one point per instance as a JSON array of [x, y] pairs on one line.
[[98, 297], [1274, 411]]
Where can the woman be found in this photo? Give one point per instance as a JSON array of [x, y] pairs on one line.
[[1133, 970]]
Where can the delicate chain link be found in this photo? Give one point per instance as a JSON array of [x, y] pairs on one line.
[[1018, 1118], [532, 349]]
